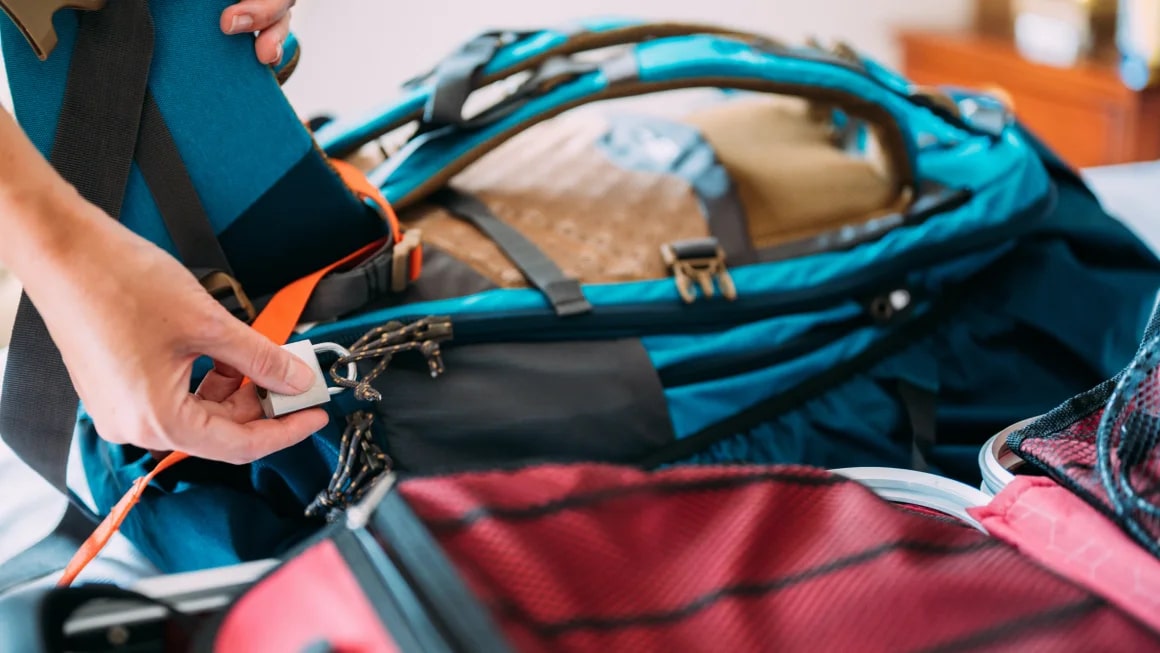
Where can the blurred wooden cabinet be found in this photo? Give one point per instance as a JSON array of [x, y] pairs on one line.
[[1084, 112]]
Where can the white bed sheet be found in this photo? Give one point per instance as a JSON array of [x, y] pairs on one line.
[[29, 507]]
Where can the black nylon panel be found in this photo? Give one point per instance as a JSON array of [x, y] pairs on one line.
[[501, 403]]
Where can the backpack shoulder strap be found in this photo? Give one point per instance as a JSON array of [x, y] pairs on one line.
[[113, 50]]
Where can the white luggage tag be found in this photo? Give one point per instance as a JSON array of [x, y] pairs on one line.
[[278, 405]]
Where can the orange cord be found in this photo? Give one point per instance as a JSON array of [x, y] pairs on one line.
[[276, 322]]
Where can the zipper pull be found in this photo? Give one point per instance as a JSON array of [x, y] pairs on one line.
[[382, 343], [885, 307], [699, 261]]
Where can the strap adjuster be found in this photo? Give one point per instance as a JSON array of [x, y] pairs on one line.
[[699, 261], [402, 266], [224, 287]]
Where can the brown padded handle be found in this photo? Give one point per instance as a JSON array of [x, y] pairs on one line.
[[34, 18]]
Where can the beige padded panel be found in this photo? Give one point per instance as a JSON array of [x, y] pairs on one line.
[[596, 220], [793, 182], [602, 223]]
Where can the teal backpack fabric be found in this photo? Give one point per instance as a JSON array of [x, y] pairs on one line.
[[278, 210], [1002, 288]]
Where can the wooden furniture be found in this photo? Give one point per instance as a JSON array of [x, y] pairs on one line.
[[1084, 112]]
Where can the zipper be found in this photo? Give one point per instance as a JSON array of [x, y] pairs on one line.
[[885, 308], [691, 372], [644, 319], [904, 336]]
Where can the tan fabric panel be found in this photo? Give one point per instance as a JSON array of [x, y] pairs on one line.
[[596, 220], [602, 223], [792, 180]]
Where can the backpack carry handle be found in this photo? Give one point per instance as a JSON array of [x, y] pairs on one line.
[[436, 97], [434, 157]]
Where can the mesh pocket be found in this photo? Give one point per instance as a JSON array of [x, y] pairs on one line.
[[1103, 446]]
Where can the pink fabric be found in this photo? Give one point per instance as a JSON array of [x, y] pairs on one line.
[[1053, 526]]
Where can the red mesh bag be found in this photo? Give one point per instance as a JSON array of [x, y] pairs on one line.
[[1104, 445], [598, 558]]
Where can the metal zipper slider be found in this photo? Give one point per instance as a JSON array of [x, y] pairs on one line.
[[886, 306], [702, 262]]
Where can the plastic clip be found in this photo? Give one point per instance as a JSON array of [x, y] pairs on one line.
[[699, 262]]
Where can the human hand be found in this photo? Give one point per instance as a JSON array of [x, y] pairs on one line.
[[130, 321], [270, 18]]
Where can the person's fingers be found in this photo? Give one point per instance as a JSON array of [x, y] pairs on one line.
[[221, 382], [269, 44], [235, 344], [215, 437], [253, 15], [240, 406]]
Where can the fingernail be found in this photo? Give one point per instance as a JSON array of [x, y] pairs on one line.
[[277, 56], [241, 23], [301, 376]]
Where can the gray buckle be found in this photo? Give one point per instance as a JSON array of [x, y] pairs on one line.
[[986, 113]]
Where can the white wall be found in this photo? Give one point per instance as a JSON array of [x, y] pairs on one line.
[[356, 52]]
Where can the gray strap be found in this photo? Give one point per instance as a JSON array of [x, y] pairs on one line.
[[693, 161], [564, 293], [455, 79], [719, 203], [340, 293], [625, 68]]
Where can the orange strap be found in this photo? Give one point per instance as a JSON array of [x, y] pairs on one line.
[[276, 321]]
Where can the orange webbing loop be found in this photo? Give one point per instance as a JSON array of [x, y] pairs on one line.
[[365, 190], [276, 321]]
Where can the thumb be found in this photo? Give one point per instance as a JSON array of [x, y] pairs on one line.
[[264, 362]]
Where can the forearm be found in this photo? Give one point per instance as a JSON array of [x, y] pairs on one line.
[[41, 215]]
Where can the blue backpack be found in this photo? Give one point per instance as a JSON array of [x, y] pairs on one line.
[[987, 286]]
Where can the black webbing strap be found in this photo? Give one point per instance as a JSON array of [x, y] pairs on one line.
[[108, 119], [176, 196], [51, 554], [344, 291], [921, 409], [464, 620], [564, 293], [93, 150]]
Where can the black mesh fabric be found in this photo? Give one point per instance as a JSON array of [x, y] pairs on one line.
[[1103, 444]]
